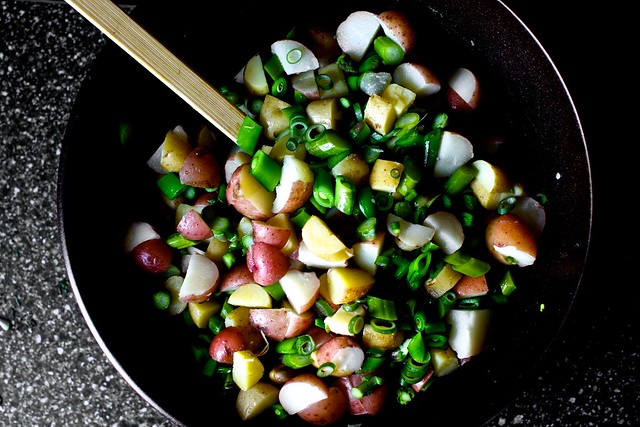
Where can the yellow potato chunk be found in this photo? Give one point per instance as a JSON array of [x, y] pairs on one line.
[[380, 114], [346, 284], [247, 369], [201, 312], [385, 175]]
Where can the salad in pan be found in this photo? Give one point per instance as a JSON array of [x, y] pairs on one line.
[[351, 248]]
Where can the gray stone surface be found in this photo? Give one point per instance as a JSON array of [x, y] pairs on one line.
[[53, 373]]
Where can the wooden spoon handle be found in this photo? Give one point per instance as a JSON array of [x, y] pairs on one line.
[[156, 58]]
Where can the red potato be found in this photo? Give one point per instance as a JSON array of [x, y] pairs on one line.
[[470, 287], [153, 256], [205, 199], [237, 276], [302, 289], [356, 33], [193, 227], [343, 351], [225, 343], [201, 169], [233, 161], [295, 187], [201, 279], [137, 233], [269, 233], [280, 323], [302, 391], [463, 91], [320, 336], [510, 240], [326, 411], [417, 78], [397, 27], [248, 196], [369, 404], [267, 263], [449, 234]]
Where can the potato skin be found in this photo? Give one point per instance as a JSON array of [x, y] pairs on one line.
[[328, 351], [327, 411], [201, 169], [509, 230], [237, 276], [237, 199], [300, 193], [267, 263], [370, 404], [153, 256], [228, 341]]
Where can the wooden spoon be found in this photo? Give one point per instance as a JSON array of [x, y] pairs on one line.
[[155, 57]]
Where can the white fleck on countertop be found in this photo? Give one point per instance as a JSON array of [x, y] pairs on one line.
[[53, 373]]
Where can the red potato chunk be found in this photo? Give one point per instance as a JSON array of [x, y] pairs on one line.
[[302, 391], [344, 352], [326, 411], [267, 263], [193, 227], [228, 341], [510, 240], [370, 404], [201, 169], [272, 234], [237, 276], [153, 256], [280, 323]]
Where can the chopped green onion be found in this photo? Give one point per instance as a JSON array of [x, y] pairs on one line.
[[170, 185], [367, 386], [279, 87], [326, 369], [324, 188], [323, 307], [432, 147], [507, 284], [506, 205], [178, 241], [380, 308], [275, 290], [296, 361], [414, 370], [322, 142], [460, 178], [324, 81], [274, 67], [435, 340], [300, 217], [248, 135], [446, 303], [294, 56], [366, 202], [391, 53], [383, 326], [366, 230], [265, 170], [216, 324], [371, 63], [344, 198], [355, 324], [417, 349]]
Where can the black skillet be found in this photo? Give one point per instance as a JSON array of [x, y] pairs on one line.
[[103, 186]]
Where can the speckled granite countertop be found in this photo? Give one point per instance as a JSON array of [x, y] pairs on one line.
[[52, 372]]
